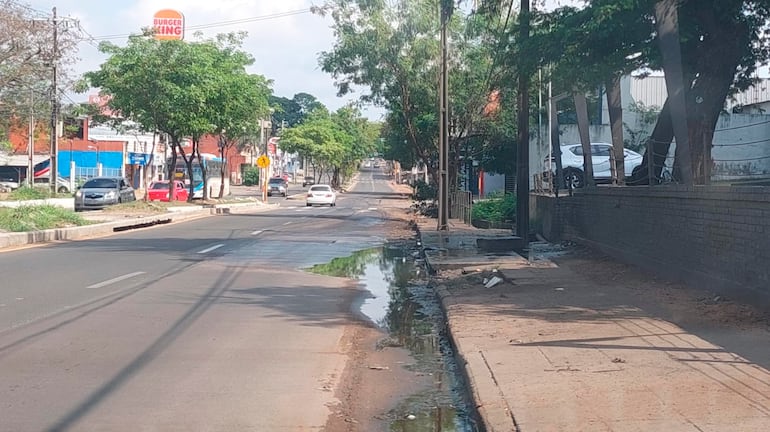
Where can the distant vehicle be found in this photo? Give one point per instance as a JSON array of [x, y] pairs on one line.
[[8, 184], [158, 191], [309, 180], [100, 192], [277, 185], [572, 163], [213, 166], [62, 184], [321, 195]]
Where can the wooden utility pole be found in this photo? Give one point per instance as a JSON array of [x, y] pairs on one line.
[[53, 171], [522, 153]]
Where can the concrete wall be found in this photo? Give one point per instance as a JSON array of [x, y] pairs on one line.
[[716, 238]]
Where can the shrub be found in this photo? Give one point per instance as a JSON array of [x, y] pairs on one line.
[[497, 208], [424, 191], [251, 176]]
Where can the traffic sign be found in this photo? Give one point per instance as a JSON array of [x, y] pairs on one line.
[[263, 161]]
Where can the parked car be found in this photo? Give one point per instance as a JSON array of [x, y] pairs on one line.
[[62, 184], [100, 192], [321, 195], [277, 185], [309, 180], [8, 184], [158, 191], [572, 163]]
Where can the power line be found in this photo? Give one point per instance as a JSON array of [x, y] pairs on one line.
[[221, 23]]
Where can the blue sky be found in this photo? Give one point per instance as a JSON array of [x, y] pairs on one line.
[[286, 48]]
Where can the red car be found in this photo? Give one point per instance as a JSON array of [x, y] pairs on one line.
[[158, 191]]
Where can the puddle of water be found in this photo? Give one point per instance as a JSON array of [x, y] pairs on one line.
[[400, 302]]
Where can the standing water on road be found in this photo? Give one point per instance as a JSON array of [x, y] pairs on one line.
[[400, 301]]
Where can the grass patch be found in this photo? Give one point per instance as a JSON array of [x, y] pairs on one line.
[[26, 193], [139, 206], [35, 218]]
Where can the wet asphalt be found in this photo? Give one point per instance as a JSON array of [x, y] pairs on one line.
[[210, 324]]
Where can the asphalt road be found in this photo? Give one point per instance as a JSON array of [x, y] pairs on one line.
[[205, 325]]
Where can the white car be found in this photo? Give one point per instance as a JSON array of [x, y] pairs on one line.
[[572, 163], [321, 195]]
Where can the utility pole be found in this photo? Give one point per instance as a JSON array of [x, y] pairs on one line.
[[53, 173], [31, 141], [522, 153], [447, 7]]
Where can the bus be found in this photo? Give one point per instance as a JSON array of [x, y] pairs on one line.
[[213, 165]]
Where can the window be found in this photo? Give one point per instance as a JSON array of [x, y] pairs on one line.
[[159, 185], [600, 150], [101, 183]]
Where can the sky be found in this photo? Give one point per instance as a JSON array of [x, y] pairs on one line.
[[286, 48]]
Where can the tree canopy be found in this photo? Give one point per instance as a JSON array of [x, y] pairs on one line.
[[183, 89]]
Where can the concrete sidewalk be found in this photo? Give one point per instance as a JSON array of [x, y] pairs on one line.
[[572, 341]]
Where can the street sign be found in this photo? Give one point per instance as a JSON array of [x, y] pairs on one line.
[[263, 161], [168, 25]]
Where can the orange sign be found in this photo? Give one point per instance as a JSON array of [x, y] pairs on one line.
[[168, 24]]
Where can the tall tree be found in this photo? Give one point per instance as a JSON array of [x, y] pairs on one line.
[[390, 50]]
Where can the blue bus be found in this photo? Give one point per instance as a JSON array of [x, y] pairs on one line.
[[213, 165]]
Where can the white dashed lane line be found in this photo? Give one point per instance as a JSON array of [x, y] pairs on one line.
[[114, 280], [212, 248]]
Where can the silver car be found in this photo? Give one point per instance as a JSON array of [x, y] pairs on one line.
[[100, 192]]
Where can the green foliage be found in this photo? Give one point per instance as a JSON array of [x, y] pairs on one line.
[[251, 176], [349, 267], [497, 208], [34, 218], [424, 191]]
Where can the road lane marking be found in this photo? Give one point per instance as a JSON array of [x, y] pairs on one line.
[[212, 248], [114, 280], [373, 208], [257, 232], [287, 223]]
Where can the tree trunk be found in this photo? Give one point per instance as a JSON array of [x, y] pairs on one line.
[[197, 151], [172, 169], [581, 106], [222, 148], [615, 108], [658, 145]]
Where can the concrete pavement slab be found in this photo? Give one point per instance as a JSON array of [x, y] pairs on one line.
[[556, 347]]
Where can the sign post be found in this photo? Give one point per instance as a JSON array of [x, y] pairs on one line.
[[263, 162]]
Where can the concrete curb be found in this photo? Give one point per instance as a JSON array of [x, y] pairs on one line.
[[488, 398], [9, 240]]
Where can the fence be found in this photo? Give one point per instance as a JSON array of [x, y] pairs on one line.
[[461, 206], [89, 172]]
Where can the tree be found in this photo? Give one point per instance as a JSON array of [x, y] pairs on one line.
[[334, 142], [183, 90], [390, 49], [722, 43], [26, 55]]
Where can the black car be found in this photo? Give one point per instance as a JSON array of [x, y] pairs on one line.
[[308, 181], [277, 185]]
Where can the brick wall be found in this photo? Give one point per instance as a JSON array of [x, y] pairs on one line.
[[716, 238]]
